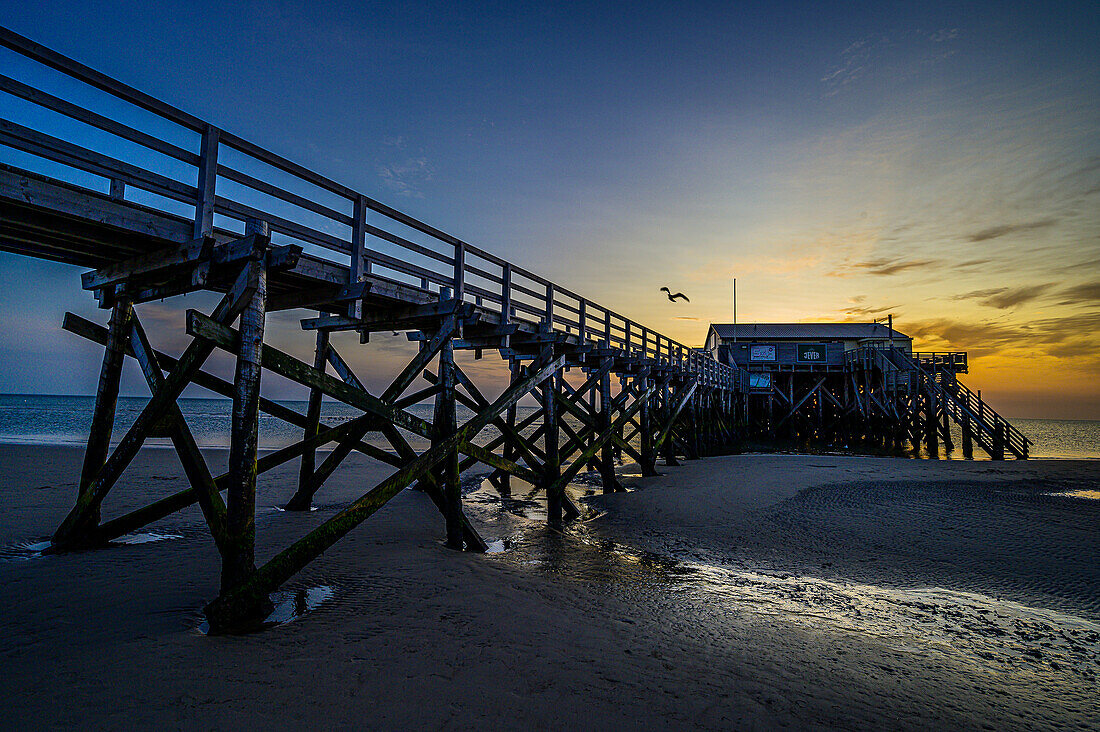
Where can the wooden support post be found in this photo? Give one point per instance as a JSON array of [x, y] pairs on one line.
[[790, 402], [819, 426], [669, 446], [645, 419], [503, 479], [968, 438], [307, 486], [239, 561], [948, 443], [106, 399], [118, 189], [930, 412], [444, 424], [999, 440], [552, 463], [607, 456]]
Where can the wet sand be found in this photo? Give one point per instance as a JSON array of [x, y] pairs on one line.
[[742, 592]]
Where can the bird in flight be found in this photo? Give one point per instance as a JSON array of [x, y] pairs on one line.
[[672, 298]]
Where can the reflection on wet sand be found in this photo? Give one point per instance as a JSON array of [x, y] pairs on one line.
[[1023, 648], [24, 550], [290, 605]]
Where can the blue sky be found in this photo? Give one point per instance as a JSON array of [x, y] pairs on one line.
[[939, 161]]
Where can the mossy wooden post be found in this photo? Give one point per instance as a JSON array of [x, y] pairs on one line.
[[968, 438], [303, 497], [669, 445], [645, 419], [607, 451], [239, 560], [931, 411], [1000, 434], [551, 434], [444, 425], [106, 398], [948, 443], [617, 448], [504, 478]]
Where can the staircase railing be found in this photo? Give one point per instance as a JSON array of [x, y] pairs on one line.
[[983, 417]]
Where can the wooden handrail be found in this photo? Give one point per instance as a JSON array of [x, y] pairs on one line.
[[555, 307]]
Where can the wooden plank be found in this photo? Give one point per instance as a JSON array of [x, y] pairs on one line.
[[49, 101], [146, 264], [86, 205], [386, 317], [187, 497], [289, 367], [283, 195]]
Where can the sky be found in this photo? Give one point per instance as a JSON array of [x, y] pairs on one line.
[[844, 161]]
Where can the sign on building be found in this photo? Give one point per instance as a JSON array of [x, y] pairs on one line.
[[811, 353], [761, 353], [760, 381]]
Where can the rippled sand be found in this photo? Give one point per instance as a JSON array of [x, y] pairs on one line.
[[741, 592]]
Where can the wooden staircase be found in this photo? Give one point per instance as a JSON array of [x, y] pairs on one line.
[[979, 421], [931, 380]]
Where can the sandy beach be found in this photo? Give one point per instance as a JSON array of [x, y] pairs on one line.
[[747, 592]]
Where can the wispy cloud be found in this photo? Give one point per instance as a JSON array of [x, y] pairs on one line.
[[684, 317], [1071, 336], [1004, 298], [900, 56], [1086, 294], [995, 232], [868, 310], [881, 266], [406, 176]]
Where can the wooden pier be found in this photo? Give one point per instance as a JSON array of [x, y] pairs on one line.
[[177, 206], [193, 208]]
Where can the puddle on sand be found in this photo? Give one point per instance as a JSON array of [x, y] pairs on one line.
[[290, 605], [145, 538], [26, 550]]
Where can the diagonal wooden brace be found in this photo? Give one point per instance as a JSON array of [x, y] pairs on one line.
[[235, 607], [80, 518], [680, 400]]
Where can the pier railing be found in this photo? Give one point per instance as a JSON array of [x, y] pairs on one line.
[[954, 361], [153, 156]]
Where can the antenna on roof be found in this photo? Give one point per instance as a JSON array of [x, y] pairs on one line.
[[734, 309]]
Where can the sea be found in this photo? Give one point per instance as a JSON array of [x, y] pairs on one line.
[[64, 420]]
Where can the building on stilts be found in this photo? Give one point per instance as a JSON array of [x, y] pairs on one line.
[[852, 384]]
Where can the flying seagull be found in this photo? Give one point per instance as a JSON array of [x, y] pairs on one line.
[[672, 298]]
